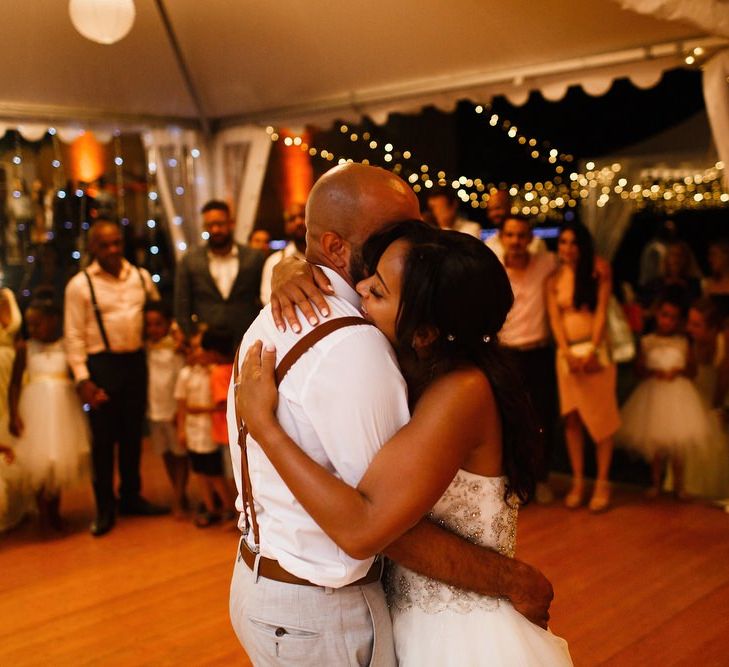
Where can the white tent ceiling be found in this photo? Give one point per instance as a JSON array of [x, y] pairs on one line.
[[302, 61]]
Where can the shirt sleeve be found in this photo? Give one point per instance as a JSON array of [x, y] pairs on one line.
[[550, 262], [149, 287], [181, 384], [16, 319], [266, 275], [356, 399], [74, 326]]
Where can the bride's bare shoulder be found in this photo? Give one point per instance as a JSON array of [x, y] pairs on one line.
[[467, 386]]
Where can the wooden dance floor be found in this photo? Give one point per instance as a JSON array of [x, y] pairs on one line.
[[644, 584]]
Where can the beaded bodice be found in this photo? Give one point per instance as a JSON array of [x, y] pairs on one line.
[[474, 508]]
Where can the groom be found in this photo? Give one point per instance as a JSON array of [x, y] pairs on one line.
[[301, 600]]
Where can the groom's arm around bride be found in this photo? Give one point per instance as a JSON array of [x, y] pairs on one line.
[[426, 548]]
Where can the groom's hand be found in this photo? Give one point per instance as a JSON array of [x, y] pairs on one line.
[[298, 283], [530, 593]]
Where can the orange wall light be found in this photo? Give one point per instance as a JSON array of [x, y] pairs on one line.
[[88, 158], [297, 175]]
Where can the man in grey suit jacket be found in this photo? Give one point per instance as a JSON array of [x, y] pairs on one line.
[[218, 283]]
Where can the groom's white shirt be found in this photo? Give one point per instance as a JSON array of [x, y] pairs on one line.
[[341, 401]]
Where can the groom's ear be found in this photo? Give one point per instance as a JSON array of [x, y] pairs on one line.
[[424, 337], [336, 249]]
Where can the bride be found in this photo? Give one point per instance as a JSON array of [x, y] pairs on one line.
[[440, 298]]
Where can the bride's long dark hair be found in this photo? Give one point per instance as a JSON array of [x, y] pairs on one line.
[[453, 283]]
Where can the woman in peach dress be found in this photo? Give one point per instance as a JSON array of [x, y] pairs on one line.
[[577, 299]]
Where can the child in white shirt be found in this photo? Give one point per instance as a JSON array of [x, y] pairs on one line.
[[164, 362]]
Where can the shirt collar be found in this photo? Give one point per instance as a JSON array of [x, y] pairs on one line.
[[290, 250], [233, 253], [95, 269], [165, 343], [341, 287]]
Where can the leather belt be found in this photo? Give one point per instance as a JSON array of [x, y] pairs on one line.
[[529, 346], [270, 569]]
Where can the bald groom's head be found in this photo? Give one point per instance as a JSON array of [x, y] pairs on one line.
[[345, 206]]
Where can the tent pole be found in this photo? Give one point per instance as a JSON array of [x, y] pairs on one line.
[[184, 70]]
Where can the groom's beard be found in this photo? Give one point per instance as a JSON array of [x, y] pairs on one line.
[[357, 269]]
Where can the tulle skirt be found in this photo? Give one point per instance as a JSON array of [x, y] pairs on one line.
[[499, 637], [665, 416], [54, 447], [706, 471], [16, 496]]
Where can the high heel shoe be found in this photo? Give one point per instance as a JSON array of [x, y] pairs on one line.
[[576, 495], [600, 500]]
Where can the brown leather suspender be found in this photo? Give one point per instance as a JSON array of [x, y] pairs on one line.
[[290, 358]]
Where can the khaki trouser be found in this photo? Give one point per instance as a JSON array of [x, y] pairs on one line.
[[285, 624]]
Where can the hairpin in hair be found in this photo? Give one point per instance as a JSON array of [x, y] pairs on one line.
[[486, 338]]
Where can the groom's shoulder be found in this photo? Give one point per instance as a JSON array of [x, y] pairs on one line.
[[359, 338]]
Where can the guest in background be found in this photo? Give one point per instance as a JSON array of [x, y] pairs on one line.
[[664, 418], [708, 476], [49, 272], [164, 362], [104, 323], [526, 334], [45, 413], [499, 207], [221, 348], [10, 322], [577, 299], [218, 283], [195, 408], [295, 230], [15, 499], [652, 256], [680, 273], [716, 285], [260, 239], [443, 205], [498, 211]]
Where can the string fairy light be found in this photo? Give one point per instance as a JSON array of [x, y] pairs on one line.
[[550, 196], [119, 173]]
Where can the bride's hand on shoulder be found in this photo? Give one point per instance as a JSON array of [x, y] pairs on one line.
[[256, 393], [297, 283]]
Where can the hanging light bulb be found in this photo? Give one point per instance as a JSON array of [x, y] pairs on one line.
[[102, 21]]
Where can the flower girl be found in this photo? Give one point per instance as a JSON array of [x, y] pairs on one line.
[[45, 413], [665, 418]]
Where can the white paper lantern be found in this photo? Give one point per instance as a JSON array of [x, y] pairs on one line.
[[102, 21]]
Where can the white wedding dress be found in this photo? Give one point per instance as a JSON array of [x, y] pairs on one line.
[[441, 626]]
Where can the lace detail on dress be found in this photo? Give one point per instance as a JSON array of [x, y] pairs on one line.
[[474, 508]]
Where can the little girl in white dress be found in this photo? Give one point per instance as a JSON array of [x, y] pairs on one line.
[[708, 476], [664, 419], [46, 418]]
